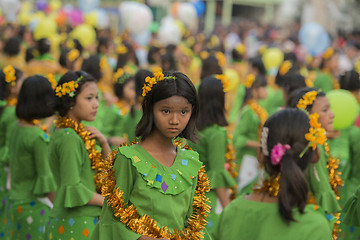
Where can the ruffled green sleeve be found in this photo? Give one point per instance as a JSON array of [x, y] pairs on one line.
[[45, 182], [217, 142], [73, 191], [351, 211]]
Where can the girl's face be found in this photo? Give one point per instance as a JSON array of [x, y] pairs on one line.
[[321, 106], [86, 104], [129, 91], [259, 93], [171, 116]]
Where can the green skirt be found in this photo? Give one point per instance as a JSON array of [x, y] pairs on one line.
[[76, 228]]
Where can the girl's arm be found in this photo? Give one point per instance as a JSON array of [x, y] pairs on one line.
[[223, 196], [102, 140], [149, 238], [96, 200], [252, 144]]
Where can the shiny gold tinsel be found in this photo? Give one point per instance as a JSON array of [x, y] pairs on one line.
[[145, 225], [94, 155], [230, 161], [270, 186], [260, 112]]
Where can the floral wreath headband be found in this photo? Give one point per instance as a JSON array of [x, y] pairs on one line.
[[68, 88], [10, 77], [307, 100], [151, 81], [120, 76], [224, 80]]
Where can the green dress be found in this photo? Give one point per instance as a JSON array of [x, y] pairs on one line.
[[273, 101], [211, 147], [163, 193], [31, 180], [113, 124], [7, 119], [236, 105], [130, 122], [319, 186], [247, 129], [246, 219], [71, 217]]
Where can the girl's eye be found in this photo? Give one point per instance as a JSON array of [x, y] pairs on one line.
[[183, 112], [166, 111]]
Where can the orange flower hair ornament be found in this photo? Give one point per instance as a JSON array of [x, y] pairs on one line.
[[221, 58], [240, 48], [52, 80], [150, 82], [120, 76], [121, 49], [224, 80], [10, 77], [328, 53], [249, 80], [73, 55], [68, 88], [307, 99], [285, 67]]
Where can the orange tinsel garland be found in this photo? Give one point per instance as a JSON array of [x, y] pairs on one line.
[[145, 225], [230, 161], [94, 155], [260, 112]]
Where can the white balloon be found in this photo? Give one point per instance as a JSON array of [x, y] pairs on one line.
[[136, 17], [187, 13], [169, 32], [10, 9], [102, 19]]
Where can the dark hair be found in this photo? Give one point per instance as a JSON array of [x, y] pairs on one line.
[[236, 56], [29, 54], [123, 59], [64, 103], [43, 46], [103, 41], [210, 66], [292, 81], [350, 81], [212, 103], [168, 62], [260, 81], [152, 51], [12, 46], [36, 99], [257, 63], [139, 78], [119, 87], [63, 59], [298, 94], [5, 86], [323, 60], [180, 86], [91, 65], [293, 188]]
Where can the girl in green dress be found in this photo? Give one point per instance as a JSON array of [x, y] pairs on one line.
[[154, 189], [278, 210], [73, 155], [31, 179], [9, 90], [246, 134]]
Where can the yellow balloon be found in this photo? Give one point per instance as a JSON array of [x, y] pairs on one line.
[[24, 18], [234, 78], [26, 7], [85, 34], [91, 18], [272, 58], [46, 28], [55, 5], [181, 27]]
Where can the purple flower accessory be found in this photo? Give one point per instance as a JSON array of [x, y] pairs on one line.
[[278, 152]]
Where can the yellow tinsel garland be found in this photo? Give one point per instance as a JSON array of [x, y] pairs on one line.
[[94, 155], [145, 225], [230, 161], [270, 185], [260, 112]]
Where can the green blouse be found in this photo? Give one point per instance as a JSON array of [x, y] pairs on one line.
[[130, 123], [113, 122], [7, 119], [164, 193], [246, 219], [273, 101], [73, 174], [318, 180], [236, 106], [351, 211], [28, 150]]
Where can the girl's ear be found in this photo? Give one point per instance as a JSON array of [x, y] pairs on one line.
[[260, 156]]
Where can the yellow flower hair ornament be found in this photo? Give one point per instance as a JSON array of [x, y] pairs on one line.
[[52, 80], [285, 67], [72, 55], [316, 134], [120, 76], [249, 80], [224, 80], [328, 53], [121, 49], [307, 99], [204, 55], [221, 58], [10, 77], [68, 88], [150, 82], [240, 48]]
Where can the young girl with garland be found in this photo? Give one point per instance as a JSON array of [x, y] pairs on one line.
[[11, 80], [154, 189], [247, 132], [28, 150], [279, 206], [73, 159], [213, 143]]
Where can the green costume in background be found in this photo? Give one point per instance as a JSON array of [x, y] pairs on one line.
[[130, 122], [164, 193], [246, 219], [324, 81], [211, 147], [31, 180], [71, 217]]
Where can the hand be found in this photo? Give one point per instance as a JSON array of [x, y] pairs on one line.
[[94, 133], [332, 134], [117, 141]]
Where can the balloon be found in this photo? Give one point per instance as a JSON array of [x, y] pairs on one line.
[[85, 34], [130, 12], [76, 17], [55, 5], [272, 59], [187, 13], [41, 5], [233, 77], [344, 106], [91, 18], [169, 33], [175, 9], [46, 28], [11, 6], [142, 38], [314, 38], [102, 19], [60, 18], [200, 7], [88, 5]]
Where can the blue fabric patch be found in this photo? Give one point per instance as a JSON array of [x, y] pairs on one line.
[[18, 226], [184, 162], [95, 220], [352, 229], [158, 178], [329, 217], [32, 203], [145, 174], [40, 229], [210, 223], [56, 219], [71, 222], [173, 177], [2, 234], [46, 136]]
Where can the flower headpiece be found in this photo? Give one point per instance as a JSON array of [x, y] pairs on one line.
[[68, 88], [316, 134], [285, 67], [224, 80], [307, 100], [328, 53], [277, 153], [52, 80], [73, 55], [120, 76], [150, 82], [249, 80], [204, 55], [121, 49], [240, 48], [221, 58], [10, 77], [309, 82]]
